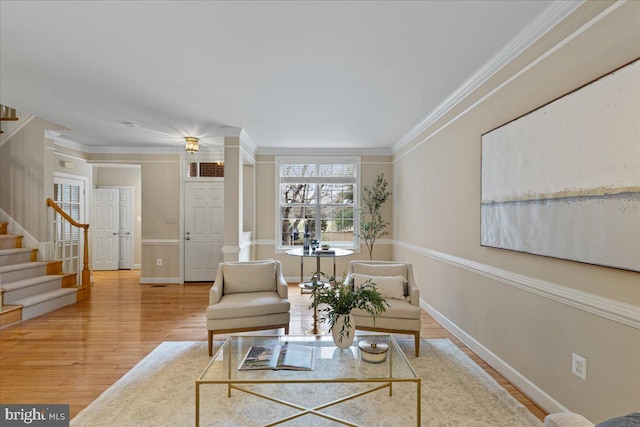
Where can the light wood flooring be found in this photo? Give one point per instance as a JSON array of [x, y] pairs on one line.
[[73, 354]]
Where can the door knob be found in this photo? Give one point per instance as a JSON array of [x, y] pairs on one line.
[[187, 238], [115, 234]]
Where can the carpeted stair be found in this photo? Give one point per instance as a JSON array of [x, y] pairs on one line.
[[30, 288]]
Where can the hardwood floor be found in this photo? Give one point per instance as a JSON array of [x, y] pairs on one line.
[[73, 354]]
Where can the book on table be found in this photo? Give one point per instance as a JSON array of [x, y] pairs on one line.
[[325, 252], [279, 356]]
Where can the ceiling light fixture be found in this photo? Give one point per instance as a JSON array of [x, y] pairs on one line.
[[131, 124], [191, 144]]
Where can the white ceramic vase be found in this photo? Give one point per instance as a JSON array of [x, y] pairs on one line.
[[343, 336]]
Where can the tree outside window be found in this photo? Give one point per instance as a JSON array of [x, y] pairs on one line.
[[319, 194]]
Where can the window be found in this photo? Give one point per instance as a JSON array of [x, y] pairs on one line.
[[205, 170], [69, 195], [319, 194]]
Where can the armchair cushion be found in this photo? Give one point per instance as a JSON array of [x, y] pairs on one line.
[[254, 277], [392, 287], [398, 309], [248, 305]]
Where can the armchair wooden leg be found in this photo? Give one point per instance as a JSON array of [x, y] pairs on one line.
[[210, 343], [286, 329], [417, 343]]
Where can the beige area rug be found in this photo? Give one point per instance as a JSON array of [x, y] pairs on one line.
[[160, 391]]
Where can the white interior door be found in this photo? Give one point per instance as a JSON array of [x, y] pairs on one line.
[[203, 228], [125, 229], [106, 227]]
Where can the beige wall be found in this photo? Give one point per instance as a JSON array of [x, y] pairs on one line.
[[436, 181], [161, 219], [23, 162], [159, 199], [265, 233]]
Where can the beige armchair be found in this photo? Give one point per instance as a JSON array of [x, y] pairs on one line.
[[248, 296], [395, 282]]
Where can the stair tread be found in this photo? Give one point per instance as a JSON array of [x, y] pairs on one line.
[[15, 251], [19, 284], [45, 296], [22, 266], [9, 236]]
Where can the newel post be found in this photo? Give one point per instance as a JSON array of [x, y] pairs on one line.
[[86, 274]]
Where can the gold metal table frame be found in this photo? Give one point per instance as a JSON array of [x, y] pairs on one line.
[[228, 356]]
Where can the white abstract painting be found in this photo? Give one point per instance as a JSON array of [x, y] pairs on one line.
[[564, 180]]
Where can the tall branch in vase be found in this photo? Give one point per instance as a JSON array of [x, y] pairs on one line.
[[372, 225]]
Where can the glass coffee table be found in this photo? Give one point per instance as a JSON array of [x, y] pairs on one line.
[[349, 367]]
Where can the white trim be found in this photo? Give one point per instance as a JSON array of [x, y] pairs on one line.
[[264, 242], [70, 156], [230, 249], [71, 176], [66, 143], [249, 156], [617, 311], [246, 139], [160, 242], [160, 280], [116, 163], [337, 151], [137, 266], [531, 390], [111, 165], [549, 18], [514, 76]]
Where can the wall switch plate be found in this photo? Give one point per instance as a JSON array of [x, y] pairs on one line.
[[159, 262], [579, 366]]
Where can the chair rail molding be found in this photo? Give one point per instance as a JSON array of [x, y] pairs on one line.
[[617, 311]]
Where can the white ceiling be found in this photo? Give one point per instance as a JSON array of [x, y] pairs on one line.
[[355, 75]]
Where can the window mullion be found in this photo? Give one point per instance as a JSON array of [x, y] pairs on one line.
[[318, 214]]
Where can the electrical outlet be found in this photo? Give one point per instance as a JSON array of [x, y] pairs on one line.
[[159, 262], [579, 366]]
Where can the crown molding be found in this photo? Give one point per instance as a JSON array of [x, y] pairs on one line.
[[286, 151], [64, 142], [547, 20], [246, 139]]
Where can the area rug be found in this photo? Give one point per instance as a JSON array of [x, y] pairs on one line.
[[160, 391]]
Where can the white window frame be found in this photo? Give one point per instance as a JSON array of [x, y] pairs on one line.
[[280, 160]]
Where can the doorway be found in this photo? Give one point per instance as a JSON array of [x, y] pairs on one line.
[[113, 228], [203, 229]]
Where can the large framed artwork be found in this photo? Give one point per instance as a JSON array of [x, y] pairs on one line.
[[564, 180]]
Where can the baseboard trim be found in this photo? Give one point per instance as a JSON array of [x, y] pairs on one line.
[[617, 311], [525, 385], [137, 266], [152, 280]]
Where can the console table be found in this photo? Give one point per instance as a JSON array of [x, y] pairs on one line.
[[299, 252]]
